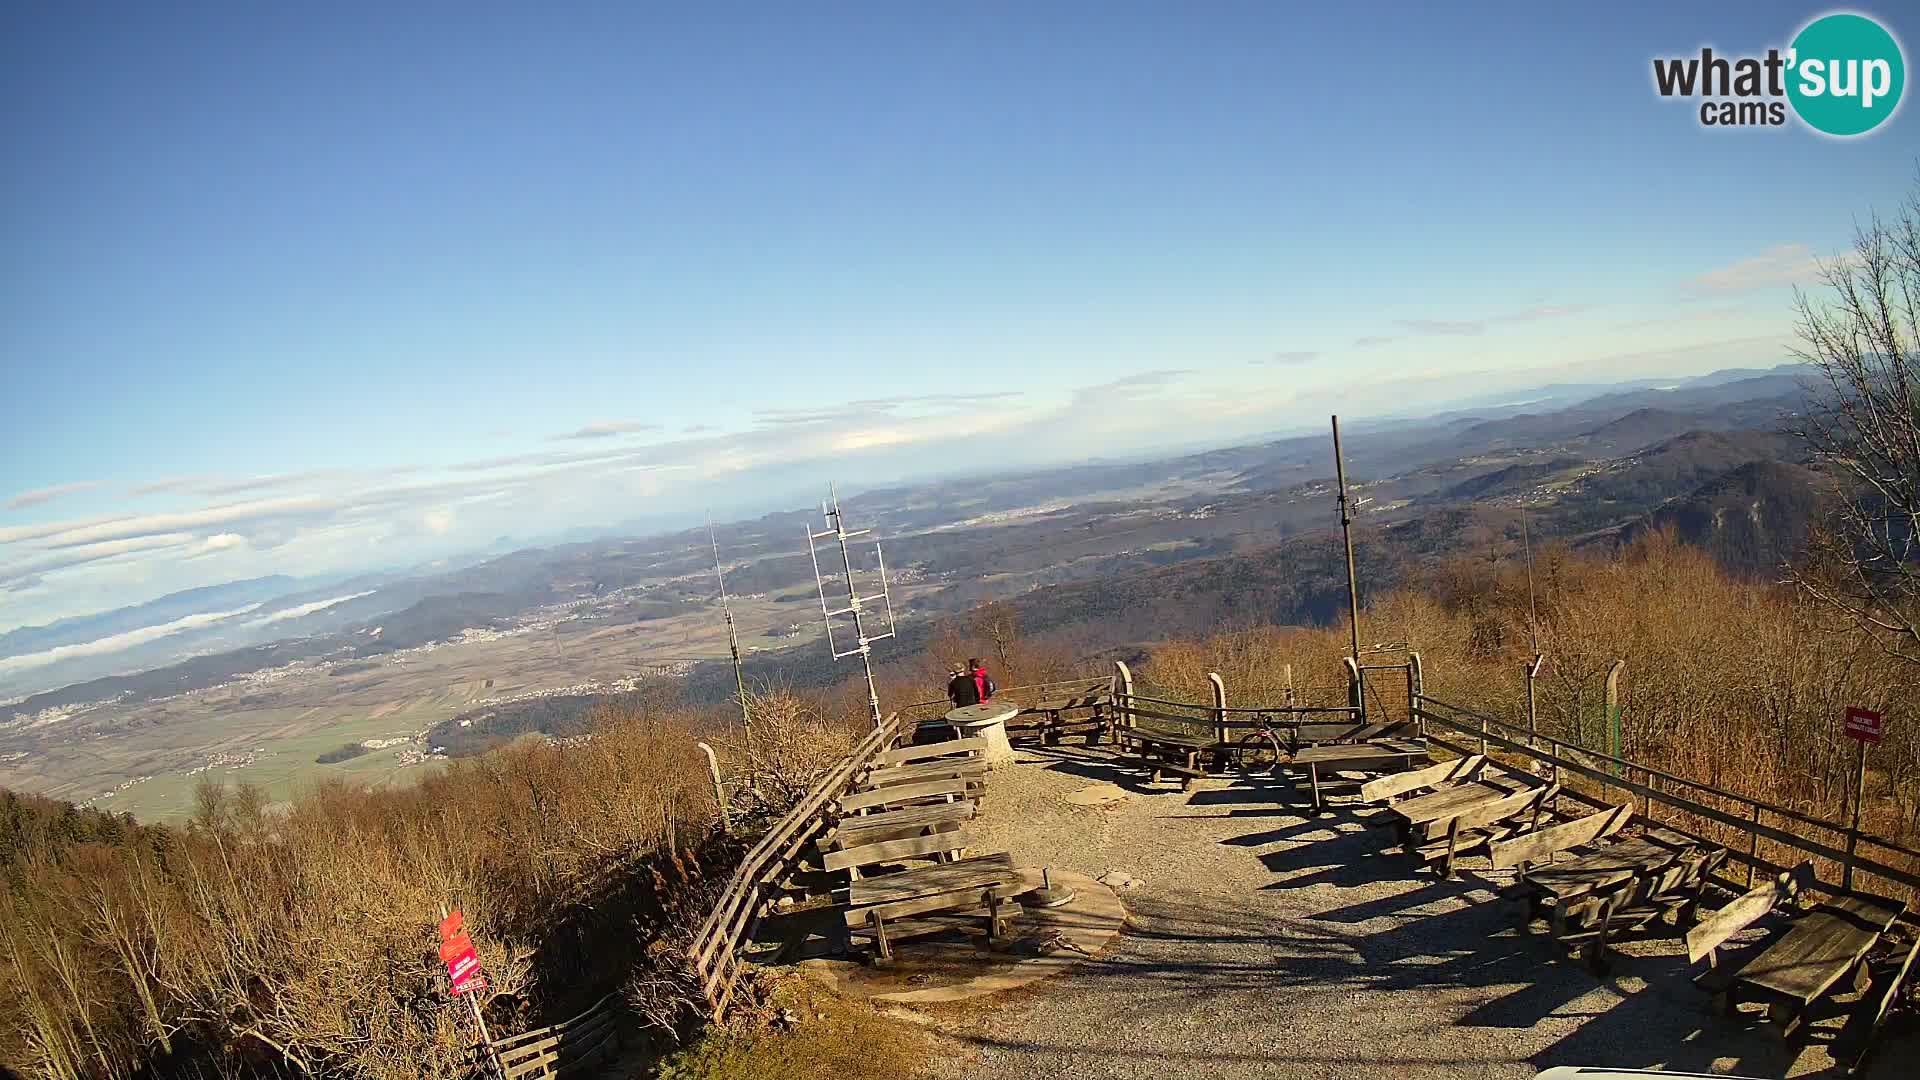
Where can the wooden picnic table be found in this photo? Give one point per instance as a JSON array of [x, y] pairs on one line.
[[1436, 808], [1820, 949], [1381, 756], [1611, 865]]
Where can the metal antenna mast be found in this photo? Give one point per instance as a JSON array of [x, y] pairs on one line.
[[1346, 531], [733, 637], [855, 602]]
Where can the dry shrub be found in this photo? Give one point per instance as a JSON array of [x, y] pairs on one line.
[[1733, 683], [305, 941]]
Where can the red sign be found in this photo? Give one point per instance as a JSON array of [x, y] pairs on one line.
[[1864, 724], [463, 964]]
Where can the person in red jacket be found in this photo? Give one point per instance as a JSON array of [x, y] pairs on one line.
[[982, 682]]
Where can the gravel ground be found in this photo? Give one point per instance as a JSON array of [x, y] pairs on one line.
[[1264, 944]]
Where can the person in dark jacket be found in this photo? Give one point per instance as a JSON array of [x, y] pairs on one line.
[[982, 682], [962, 690]]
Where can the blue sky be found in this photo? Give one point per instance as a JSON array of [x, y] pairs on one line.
[[308, 291]]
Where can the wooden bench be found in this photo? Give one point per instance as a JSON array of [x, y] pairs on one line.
[[907, 755], [1473, 825], [936, 769], [1611, 885], [1817, 951], [1305, 735], [1386, 755], [1153, 747], [894, 796], [891, 906], [1854, 1045], [1669, 896], [1051, 717], [895, 824], [1387, 789], [1706, 937]]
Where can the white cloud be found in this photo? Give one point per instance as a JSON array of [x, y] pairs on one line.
[[302, 610], [606, 429], [1784, 264], [439, 522], [48, 494], [117, 642]]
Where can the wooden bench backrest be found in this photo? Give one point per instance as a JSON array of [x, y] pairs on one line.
[[1325, 733], [908, 754], [913, 847], [895, 825], [903, 793], [1520, 802], [1562, 837], [1715, 929], [1393, 784]]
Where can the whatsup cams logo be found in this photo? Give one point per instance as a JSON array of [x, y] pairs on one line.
[[1842, 75]]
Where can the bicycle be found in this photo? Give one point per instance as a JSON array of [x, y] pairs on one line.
[[1264, 748]]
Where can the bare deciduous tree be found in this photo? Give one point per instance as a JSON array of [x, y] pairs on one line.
[[1861, 333]]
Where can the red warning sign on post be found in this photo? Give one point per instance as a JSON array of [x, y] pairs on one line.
[[456, 949], [1864, 724]]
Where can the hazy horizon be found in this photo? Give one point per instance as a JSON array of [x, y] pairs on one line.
[[308, 293]]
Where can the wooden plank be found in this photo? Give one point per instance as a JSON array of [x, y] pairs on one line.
[[1446, 772], [1609, 865], [1168, 738], [1562, 837], [902, 794], [893, 824], [916, 847], [1169, 718], [1713, 931], [1325, 733], [1488, 812], [1358, 756], [1448, 802], [960, 898], [979, 870], [532, 1065], [925, 770], [1820, 948], [1744, 825], [1855, 1040], [907, 754]]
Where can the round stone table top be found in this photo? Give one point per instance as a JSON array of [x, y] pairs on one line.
[[986, 712]]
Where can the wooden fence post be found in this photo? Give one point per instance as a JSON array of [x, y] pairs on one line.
[[1615, 747], [1533, 703], [1219, 707], [1753, 845], [719, 789], [1416, 686], [1123, 694], [1287, 673], [1859, 796], [1356, 690]]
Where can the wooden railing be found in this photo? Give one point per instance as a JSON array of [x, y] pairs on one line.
[[563, 1048], [1682, 805], [715, 952]]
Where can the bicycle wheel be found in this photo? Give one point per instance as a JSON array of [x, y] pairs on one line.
[[1258, 752]]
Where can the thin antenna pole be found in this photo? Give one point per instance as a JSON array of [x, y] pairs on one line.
[[1533, 616], [1346, 532], [733, 636], [863, 644]]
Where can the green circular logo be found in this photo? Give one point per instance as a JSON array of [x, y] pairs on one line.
[[1845, 74]]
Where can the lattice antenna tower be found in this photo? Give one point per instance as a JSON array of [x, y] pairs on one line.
[[733, 636], [859, 610]]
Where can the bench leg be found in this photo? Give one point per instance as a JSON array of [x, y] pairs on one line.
[[1313, 772], [1789, 1021], [880, 943]]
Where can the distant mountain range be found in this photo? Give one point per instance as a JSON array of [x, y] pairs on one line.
[[1661, 439]]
